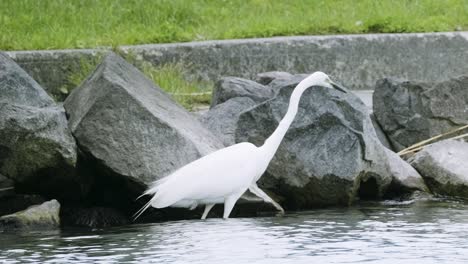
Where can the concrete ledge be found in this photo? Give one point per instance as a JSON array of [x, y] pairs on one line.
[[356, 60]]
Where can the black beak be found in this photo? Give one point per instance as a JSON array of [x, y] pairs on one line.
[[339, 87]]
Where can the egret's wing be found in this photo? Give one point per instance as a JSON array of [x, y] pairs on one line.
[[211, 176]]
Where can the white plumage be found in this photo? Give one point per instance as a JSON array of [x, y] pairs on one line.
[[224, 175]]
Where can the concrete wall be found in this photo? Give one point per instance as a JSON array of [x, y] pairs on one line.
[[355, 60]]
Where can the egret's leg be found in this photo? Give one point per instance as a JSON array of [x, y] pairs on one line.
[[257, 191], [229, 203], [207, 210]]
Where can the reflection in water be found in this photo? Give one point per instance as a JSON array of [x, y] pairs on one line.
[[419, 232]]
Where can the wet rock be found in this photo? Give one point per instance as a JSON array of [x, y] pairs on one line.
[[37, 150], [222, 119], [267, 77], [444, 167], [44, 216], [131, 132], [410, 112], [231, 87], [330, 154]]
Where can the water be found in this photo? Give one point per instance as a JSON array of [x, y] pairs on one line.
[[414, 232]]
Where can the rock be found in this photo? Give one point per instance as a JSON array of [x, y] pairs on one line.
[[44, 216], [329, 156], [6, 187], [131, 132], [231, 87], [405, 178], [410, 112], [444, 167], [37, 150], [267, 77], [17, 87], [222, 119]]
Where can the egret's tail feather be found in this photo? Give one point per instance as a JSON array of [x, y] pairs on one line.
[[154, 187], [142, 209], [151, 191]]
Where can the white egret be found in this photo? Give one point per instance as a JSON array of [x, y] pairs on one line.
[[224, 175]]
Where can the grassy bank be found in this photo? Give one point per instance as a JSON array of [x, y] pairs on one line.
[[59, 24]]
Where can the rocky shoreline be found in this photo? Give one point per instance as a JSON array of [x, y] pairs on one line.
[[118, 132]]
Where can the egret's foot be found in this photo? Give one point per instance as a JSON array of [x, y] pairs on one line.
[[207, 210], [277, 206], [257, 191], [280, 212]]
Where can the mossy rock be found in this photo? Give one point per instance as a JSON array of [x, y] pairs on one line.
[[44, 216]]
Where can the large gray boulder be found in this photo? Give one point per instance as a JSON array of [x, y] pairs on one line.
[[231, 87], [330, 154], [131, 132], [444, 166], [222, 119], [410, 112], [44, 216], [37, 150]]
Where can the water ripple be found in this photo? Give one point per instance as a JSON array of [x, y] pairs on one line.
[[432, 231]]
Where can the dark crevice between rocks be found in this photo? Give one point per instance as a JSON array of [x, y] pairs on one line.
[[368, 189], [397, 191], [51, 184]]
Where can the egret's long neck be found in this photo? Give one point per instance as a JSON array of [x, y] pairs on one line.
[[272, 143]]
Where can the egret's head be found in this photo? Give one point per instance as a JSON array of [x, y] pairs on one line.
[[321, 79]]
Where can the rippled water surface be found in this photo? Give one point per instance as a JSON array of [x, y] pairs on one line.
[[419, 232]]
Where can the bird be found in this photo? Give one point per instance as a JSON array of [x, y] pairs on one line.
[[221, 177]]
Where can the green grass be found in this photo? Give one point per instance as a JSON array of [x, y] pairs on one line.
[[170, 77], [57, 24]]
